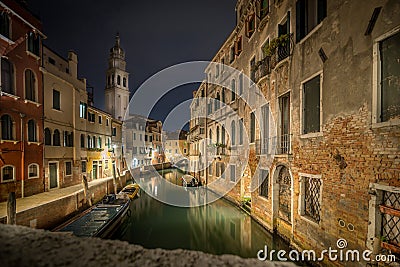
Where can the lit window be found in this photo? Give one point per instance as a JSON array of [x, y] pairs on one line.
[[83, 110]]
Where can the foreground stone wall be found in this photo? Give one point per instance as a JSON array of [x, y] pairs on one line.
[[22, 246]]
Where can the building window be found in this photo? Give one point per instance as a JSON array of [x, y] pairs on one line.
[[252, 127], [233, 133], [114, 131], [233, 88], [32, 136], [94, 142], [284, 142], [311, 105], [309, 13], [250, 25], [34, 43], [108, 142], [30, 85], [83, 166], [89, 141], [106, 164], [210, 170], [7, 173], [253, 69], [5, 24], [7, 76], [233, 173], [240, 83], [210, 136], [264, 8], [124, 82], [6, 127], [232, 54], [238, 45], [68, 168], [284, 32], [47, 137], [118, 80], [33, 171], [241, 132], [100, 119], [389, 54], [265, 129], [134, 136], [82, 140], [68, 139], [56, 99], [310, 188], [134, 150], [91, 117], [107, 122], [83, 110], [264, 183], [100, 142], [56, 138]]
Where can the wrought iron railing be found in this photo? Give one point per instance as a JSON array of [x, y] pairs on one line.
[[278, 145]]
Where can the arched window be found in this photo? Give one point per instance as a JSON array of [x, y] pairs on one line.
[[32, 136], [6, 127], [113, 79], [94, 142], [7, 173], [89, 140], [7, 76], [47, 137], [82, 140], [108, 80], [119, 80], [100, 145], [217, 101], [33, 170], [223, 135], [223, 95], [217, 134], [30, 85], [124, 82], [233, 88], [210, 137], [241, 132], [56, 138], [233, 133]]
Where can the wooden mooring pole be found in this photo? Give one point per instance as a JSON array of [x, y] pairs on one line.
[[11, 209]]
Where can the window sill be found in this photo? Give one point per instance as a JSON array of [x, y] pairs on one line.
[[393, 122], [9, 141], [29, 53], [31, 178], [58, 110], [10, 95], [32, 102], [263, 198], [311, 135], [310, 221], [9, 181], [34, 143], [8, 40], [308, 35]]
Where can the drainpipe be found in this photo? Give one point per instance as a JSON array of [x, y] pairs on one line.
[[23, 155]]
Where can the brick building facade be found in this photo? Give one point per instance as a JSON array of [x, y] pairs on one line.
[[328, 167]]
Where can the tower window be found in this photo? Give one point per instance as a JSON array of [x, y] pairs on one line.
[[118, 80], [124, 82]]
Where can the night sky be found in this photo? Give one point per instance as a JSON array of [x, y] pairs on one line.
[[154, 35]]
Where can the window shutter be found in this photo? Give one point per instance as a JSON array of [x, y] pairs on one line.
[[300, 19], [321, 10]]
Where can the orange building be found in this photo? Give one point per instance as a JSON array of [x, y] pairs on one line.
[[21, 101]]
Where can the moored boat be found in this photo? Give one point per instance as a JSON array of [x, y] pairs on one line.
[[101, 220], [131, 190]]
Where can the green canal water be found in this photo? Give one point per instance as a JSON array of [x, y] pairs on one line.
[[216, 228]]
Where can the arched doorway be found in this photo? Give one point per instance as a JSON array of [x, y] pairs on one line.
[[284, 182]]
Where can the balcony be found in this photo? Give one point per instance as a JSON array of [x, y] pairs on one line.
[[279, 49], [278, 145]]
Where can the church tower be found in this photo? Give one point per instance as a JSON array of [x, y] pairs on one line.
[[117, 89]]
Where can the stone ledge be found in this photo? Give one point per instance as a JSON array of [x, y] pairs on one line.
[[24, 246]]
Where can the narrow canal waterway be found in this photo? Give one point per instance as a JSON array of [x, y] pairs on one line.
[[216, 228]]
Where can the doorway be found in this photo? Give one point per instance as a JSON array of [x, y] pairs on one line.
[[53, 175]]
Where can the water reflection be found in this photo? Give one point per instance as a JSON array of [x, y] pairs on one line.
[[217, 228]]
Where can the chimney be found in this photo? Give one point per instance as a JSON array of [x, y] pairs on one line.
[[73, 64]]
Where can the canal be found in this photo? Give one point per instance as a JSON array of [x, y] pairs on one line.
[[216, 228]]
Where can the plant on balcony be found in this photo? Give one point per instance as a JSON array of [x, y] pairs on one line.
[[96, 149], [280, 41]]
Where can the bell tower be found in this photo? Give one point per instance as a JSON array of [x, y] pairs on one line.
[[117, 88]]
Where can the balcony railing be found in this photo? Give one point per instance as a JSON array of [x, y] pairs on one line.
[[278, 145], [266, 65]]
